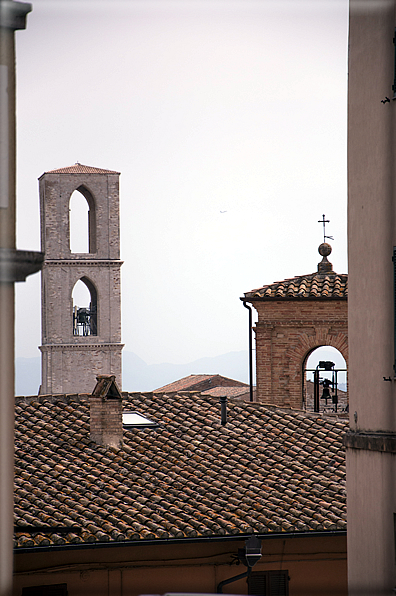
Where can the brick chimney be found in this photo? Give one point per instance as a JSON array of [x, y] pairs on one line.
[[105, 405]]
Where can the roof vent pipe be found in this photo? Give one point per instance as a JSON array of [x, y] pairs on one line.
[[223, 406]]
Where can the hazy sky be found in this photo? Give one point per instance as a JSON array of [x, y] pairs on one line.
[[203, 106]]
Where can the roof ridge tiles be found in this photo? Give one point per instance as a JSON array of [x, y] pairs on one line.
[[79, 168], [313, 285]]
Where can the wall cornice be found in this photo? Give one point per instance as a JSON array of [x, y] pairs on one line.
[[372, 441], [317, 323], [82, 263], [87, 346]]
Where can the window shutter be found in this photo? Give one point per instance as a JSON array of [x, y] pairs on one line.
[[269, 583], [278, 583], [258, 584]]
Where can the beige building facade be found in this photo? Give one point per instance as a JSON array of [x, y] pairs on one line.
[[309, 565], [371, 441], [80, 343]]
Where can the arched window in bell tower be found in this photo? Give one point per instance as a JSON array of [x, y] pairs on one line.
[[82, 222], [325, 380], [85, 308]]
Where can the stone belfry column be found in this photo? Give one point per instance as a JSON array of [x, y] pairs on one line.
[[15, 265], [78, 344]]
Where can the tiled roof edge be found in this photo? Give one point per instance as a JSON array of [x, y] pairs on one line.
[[255, 297], [159, 394], [288, 289], [170, 541], [79, 168], [65, 397], [197, 377]]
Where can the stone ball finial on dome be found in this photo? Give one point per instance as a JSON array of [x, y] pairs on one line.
[[324, 249], [325, 267]]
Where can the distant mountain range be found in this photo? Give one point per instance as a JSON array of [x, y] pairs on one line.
[[137, 375]]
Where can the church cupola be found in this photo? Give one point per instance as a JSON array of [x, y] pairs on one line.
[[296, 316]]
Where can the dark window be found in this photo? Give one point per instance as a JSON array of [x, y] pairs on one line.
[[269, 583], [48, 590]]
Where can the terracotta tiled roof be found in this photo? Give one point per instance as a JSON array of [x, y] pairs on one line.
[[192, 381], [316, 285], [324, 283], [79, 168], [266, 471], [226, 391]]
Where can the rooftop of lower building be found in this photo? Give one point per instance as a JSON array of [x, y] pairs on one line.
[[266, 471]]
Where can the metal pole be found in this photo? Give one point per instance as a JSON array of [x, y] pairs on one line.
[[316, 390], [250, 350]]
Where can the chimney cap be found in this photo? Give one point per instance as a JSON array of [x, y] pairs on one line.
[[106, 387]]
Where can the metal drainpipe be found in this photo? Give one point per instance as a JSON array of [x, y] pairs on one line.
[[231, 580], [250, 350]]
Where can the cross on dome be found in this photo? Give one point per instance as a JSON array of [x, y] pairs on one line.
[[324, 222]]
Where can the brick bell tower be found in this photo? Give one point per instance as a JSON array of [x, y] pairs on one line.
[[296, 316], [80, 342]]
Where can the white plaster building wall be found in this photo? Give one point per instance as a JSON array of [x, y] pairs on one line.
[[371, 442], [371, 233], [371, 505]]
